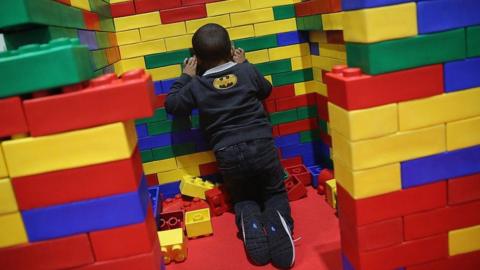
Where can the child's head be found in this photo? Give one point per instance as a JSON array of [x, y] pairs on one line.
[[212, 45]]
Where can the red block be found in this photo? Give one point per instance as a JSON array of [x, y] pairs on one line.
[[301, 173], [125, 241], [322, 107], [208, 168], [297, 126], [194, 204], [143, 6], [467, 261], [294, 102], [183, 14], [391, 205], [441, 220], [170, 220], [91, 19], [295, 189], [60, 253], [289, 162], [314, 7], [66, 2], [326, 139], [323, 177], [173, 204], [152, 180], [12, 117], [107, 99], [78, 184], [283, 91], [270, 106], [218, 201], [275, 132], [335, 37], [160, 101], [352, 90], [464, 189], [122, 9]]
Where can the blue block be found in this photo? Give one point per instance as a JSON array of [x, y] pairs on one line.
[[292, 139], [346, 263], [315, 171], [167, 84], [463, 74], [440, 167], [156, 199], [442, 15], [86, 216], [360, 4], [170, 190], [314, 49], [151, 142], [158, 88], [290, 38], [142, 130], [195, 112]]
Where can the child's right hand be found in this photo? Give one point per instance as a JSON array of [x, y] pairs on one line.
[[239, 56], [190, 66]]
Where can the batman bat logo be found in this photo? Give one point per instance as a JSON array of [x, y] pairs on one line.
[[225, 82]]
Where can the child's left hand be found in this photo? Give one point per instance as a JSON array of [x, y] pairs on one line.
[[239, 56], [190, 66]]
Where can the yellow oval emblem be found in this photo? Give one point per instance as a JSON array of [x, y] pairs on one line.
[[225, 82]]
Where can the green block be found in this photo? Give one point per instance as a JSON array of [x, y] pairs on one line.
[[167, 58], [323, 125], [309, 136], [279, 66], [307, 112], [195, 119], [100, 7], [99, 58], [284, 12], [292, 77], [147, 156], [283, 117], [107, 24], [257, 43], [166, 126], [393, 55], [102, 40], [38, 67], [16, 14], [473, 41], [300, 23], [159, 115], [42, 34], [313, 22], [173, 151]]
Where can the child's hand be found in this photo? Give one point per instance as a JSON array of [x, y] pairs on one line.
[[190, 66], [239, 56]]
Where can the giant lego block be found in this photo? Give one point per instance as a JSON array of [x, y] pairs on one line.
[[462, 74], [464, 189], [359, 4], [317, 7], [464, 240], [467, 261], [7, 196], [463, 133], [473, 41], [13, 230], [12, 117]]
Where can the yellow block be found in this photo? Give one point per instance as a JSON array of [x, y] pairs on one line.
[[463, 133], [194, 186], [177, 174], [164, 73], [301, 62], [83, 4], [173, 245], [252, 16], [240, 32], [137, 21], [303, 88], [195, 159], [269, 78], [228, 6], [256, 57], [270, 3], [125, 65], [275, 27], [464, 240], [289, 51], [12, 230], [198, 223], [326, 63], [158, 166], [439, 109], [128, 37], [142, 48], [364, 124], [336, 51], [370, 182], [317, 36], [8, 202], [331, 192], [389, 149], [193, 25], [3, 164], [332, 21], [381, 23], [317, 74], [163, 31], [178, 43], [118, 1], [70, 149]]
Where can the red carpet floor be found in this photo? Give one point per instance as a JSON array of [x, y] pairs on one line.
[[315, 222]]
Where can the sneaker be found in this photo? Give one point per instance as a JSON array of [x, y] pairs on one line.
[[280, 241], [253, 235]]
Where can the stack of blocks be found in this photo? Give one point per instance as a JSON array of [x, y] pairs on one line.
[[71, 188], [406, 131]]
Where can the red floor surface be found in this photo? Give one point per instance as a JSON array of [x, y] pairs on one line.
[[315, 222]]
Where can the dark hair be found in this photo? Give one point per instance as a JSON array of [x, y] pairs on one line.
[[212, 45]]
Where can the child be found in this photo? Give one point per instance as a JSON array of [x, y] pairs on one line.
[[228, 96]]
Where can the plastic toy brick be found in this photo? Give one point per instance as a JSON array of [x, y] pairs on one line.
[[332, 21], [297, 126], [314, 172], [118, 142], [350, 89], [12, 230], [88, 38], [177, 174], [464, 240], [12, 117], [22, 63], [323, 177], [173, 204], [164, 73], [208, 168], [170, 190], [467, 261], [301, 62], [163, 31], [403, 202], [317, 7], [225, 7], [198, 223], [290, 38], [301, 173], [252, 16], [166, 59], [142, 48], [195, 160], [335, 37], [156, 200], [289, 51], [326, 63], [283, 117], [181, 14], [170, 220], [86, 216], [464, 189], [292, 139], [275, 27], [293, 161], [360, 4], [393, 55], [463, 133], [42, 34], [142, 6], [441, 220], [218, 201], [121, 9], [174, 245], [473, 41], [137, 21], [7, 197], [60, 253], [295, 188], [462, 74], [3, 164], [152, 180], [257, 43], [194, 186], [284, 12], [331, 192], [193, 25], [364, 124], [259, 56], [178, 43], [295, 102], [194, 204], [270, 68], [92, 20], [128, 37], [70, 111], [441, 166], [333, 51]]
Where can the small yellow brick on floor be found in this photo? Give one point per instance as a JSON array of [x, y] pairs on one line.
[[198, 223]]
